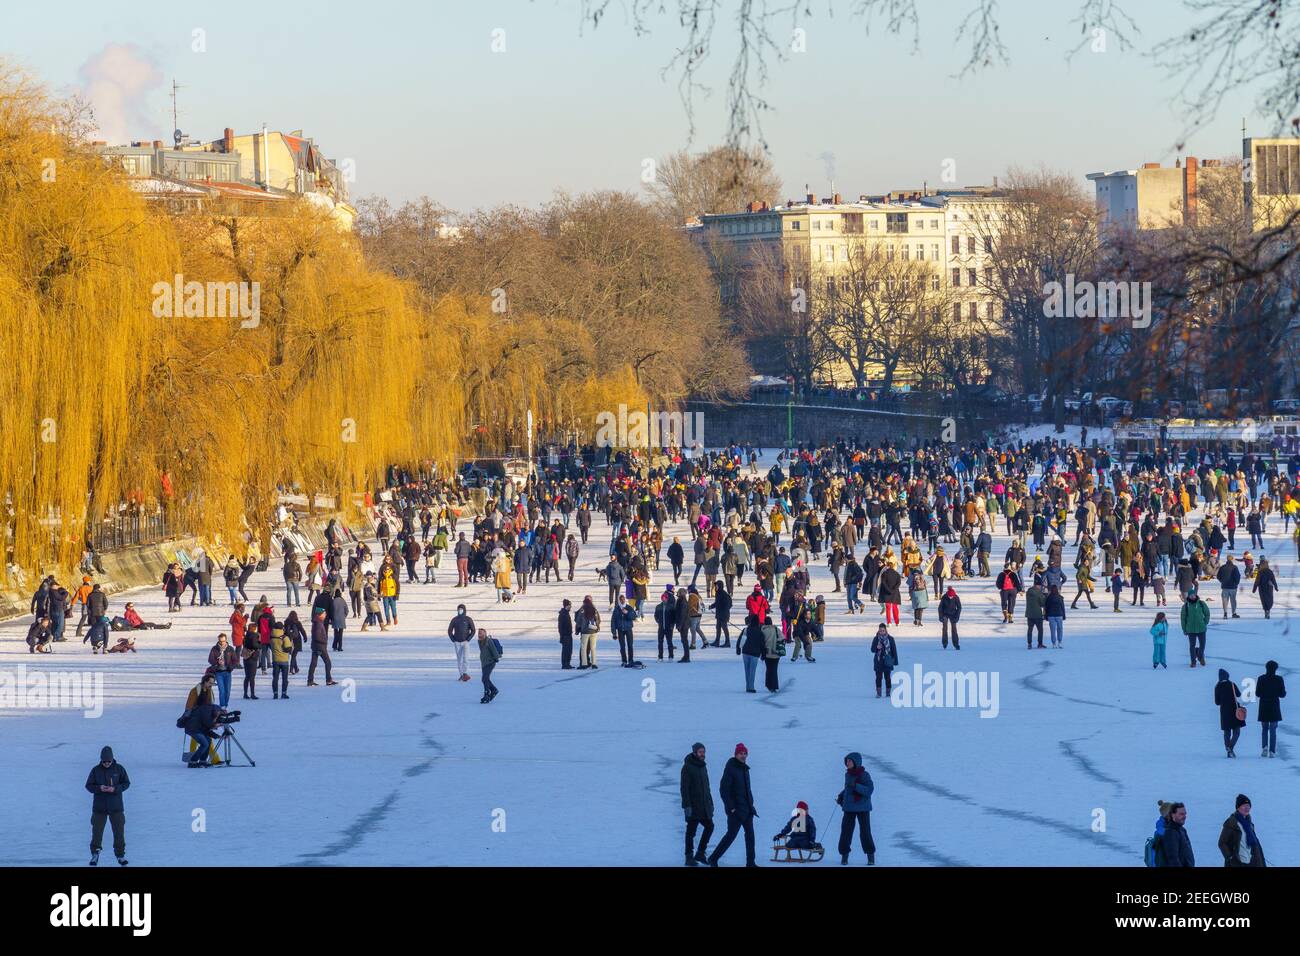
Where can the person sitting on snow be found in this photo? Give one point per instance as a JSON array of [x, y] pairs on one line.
[[131, 621], [800, 832]]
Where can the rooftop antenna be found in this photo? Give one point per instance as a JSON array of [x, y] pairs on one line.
[[177, 135]]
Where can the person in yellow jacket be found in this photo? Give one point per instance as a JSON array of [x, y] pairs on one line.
[[776, 522], [388, 588], [911, 555], [281, 654], [207, 683]]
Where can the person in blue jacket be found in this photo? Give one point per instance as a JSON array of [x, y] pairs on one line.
[[855, 800]]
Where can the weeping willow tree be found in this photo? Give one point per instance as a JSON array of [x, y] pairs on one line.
[[78, 251], [338, 370], [109, 399], [516, 363]]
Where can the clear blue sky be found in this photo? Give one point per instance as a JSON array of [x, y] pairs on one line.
[[413, 93]]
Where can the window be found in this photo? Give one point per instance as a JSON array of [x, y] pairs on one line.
[[956, 278], [988, 311], [875, 225], [817, 225], [830, 253], [830, 224], [970, 278], [817, 252], [830, 287], [970, 245], [796, 225], [956, 311], [974, 311], [988, 277], [896, 222], [920, 252], [956, 245], [853, 223], [934, 283], [906, 251], [934, 251], [988, 243]]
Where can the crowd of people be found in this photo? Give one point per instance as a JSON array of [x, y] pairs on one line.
[[888, 522]]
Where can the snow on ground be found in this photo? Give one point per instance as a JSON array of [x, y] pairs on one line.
[[1072, 434], [581, 767]]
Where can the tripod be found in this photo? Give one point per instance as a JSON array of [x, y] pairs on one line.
[[223, 747]]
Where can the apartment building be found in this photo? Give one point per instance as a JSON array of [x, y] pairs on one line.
[[256, 172], [946, 237], [1158, 197]]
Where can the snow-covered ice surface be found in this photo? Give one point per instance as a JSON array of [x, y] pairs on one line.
[[581, 767]]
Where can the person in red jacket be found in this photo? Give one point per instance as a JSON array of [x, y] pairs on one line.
[[238, 624], [756, 604]]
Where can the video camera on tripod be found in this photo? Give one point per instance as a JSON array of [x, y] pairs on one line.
[[229, 717]]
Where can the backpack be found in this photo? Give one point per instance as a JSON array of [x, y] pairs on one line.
[[496, 646], [1153, 854]]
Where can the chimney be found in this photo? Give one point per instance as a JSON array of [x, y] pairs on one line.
[[811, 199], [836, 199], [157, 144], [995, 182], [1150, 165], [1189, 191], [228, 141]]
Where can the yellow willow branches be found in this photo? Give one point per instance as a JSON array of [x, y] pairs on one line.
[[115, 391]]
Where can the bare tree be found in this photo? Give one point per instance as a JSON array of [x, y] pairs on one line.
[[722, 179], [877, 312]]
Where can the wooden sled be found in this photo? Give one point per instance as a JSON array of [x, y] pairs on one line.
[[787, 854]]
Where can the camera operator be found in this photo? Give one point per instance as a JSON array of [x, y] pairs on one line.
[[200, 724]]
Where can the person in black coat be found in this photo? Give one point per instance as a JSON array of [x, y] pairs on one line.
[[697, 804], [1270, 689], [676, 556], [884, 658], [949, 615], [320, 650], [721, 607], [665, 621], [738, 801], [107, 781], [200, 723], [1227, 695], [1265, 586], [1175, 842], [565, 625]]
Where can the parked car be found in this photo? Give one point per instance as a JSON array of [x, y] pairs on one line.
[[1110, 405], [1286, 406]]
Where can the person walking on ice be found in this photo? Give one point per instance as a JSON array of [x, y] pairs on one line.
[[107, 781], [1159, 636], [461, 630], [855, 801], [738, 802], [697, 804]]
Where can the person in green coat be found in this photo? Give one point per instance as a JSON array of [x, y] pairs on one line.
[[1195, 619], [488, 656]]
